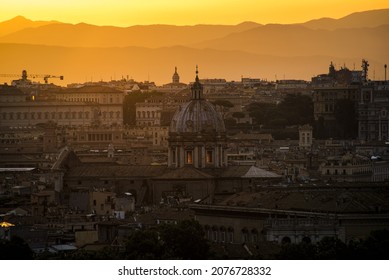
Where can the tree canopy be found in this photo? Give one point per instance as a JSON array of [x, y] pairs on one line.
[[184, 240], [293, 110]]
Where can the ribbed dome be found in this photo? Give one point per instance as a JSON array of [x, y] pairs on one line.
[[197, 116]]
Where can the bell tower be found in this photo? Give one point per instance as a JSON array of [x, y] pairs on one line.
[[176, 77]]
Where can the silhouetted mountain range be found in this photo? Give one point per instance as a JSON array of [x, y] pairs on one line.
[[19, 23], [372, 18], [151, 36], [82, 52]]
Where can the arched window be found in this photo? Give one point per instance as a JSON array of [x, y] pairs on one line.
[[215, 233], [230, 235], [306, 239], [254, 236], [208, 232], [245, 235], [222, 234], [286, 240]]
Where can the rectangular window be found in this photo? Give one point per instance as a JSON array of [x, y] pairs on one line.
[[174, 156], [189, 157], [209, 157]]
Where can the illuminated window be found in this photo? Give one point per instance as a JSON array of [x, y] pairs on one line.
[[189, 158], [209, 157]]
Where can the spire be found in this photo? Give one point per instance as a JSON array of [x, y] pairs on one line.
[[197, 87]]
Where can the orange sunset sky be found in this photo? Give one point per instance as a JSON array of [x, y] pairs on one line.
[[178, 12]]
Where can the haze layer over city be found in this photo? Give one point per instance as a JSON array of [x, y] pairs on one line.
[[229, 40]]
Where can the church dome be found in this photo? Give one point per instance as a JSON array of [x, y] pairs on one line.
[[197, 116], [197, 136]]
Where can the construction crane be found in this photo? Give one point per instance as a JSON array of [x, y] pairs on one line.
[[33, 76]]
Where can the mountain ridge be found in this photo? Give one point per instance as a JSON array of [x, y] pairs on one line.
[[229, 51], [18, 23]]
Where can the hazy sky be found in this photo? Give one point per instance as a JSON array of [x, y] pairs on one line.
[[183, 12]]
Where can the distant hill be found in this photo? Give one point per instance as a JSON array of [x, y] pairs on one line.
[[151, 36], [295, 40], [372, 18], [83, 52], [19, 23]]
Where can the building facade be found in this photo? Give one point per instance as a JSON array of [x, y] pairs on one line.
[[373, 113]]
